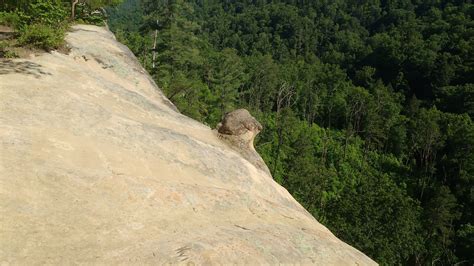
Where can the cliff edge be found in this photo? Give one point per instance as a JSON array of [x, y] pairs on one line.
[[98, 167]]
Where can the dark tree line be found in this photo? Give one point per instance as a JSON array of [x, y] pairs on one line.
[[367, 106]]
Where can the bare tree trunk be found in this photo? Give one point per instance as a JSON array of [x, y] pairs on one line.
[[73, 8], [285, 93], [154, 48]]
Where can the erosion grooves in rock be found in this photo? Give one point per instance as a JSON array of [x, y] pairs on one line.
[[97, 167]]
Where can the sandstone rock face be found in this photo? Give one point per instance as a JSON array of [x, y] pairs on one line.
[[97, 167], [239, 128], [239, 122]]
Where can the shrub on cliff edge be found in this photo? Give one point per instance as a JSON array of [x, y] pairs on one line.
[[41, 36]]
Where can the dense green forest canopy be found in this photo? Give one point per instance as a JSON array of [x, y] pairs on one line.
[[367, 106]]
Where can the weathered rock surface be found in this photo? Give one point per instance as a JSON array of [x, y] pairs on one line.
[[97, 167], [5, 32], [239, 122], [239, 128]]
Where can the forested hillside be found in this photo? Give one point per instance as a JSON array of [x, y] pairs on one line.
[[367, 106]]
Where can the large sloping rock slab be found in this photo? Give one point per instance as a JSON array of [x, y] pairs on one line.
[[97, 167]]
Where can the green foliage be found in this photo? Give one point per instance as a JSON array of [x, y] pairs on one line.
[[127, 17], [465, 240], [40, 24], [5, 51], [367, 106], [46, 12], [86, 15], [456, 99], [12, 5], [41, 36], [96, 4], [385, 220], [11, 19], [92, 11], [439, 213]]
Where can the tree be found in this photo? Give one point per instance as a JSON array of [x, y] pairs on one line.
[[73, 8], [224, 77]]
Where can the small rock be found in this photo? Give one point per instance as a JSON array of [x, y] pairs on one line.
[[239, 129], [238, 122]]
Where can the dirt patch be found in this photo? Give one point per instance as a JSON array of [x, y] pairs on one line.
[[6, 32], [6, 29]]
